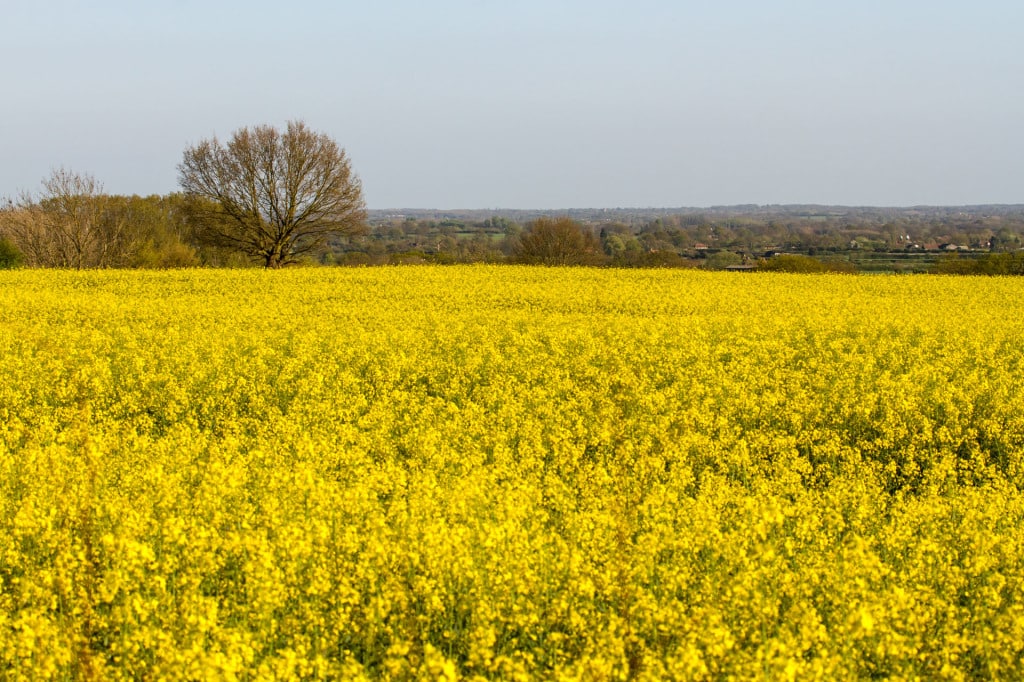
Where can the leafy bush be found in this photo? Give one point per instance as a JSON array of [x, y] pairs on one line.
[[990, 264], [722, 260], [10, 256], [790, 262]]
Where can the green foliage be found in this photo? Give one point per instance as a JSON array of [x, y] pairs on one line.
[[990, 264], [614, 246], [157, 232], [10, 256], [637, 258], [168, 255], [722, 260], [798, 263]]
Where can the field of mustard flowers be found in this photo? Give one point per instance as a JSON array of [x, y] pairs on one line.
[[497, 472]]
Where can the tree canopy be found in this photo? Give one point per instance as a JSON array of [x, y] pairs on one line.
[[558, 241], [272, 195]]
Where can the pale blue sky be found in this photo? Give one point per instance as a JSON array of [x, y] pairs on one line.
[[536, 104]]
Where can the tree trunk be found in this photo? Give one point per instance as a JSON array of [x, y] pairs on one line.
[[274, 260]]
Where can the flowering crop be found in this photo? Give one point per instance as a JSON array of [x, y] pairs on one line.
[[506, 472]]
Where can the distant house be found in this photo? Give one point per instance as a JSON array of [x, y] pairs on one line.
[[741, 268]]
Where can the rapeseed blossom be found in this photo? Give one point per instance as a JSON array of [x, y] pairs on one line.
[[496, 472]]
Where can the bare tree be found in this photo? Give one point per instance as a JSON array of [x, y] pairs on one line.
[[272, 195], [68, 226], [558, 241], [22, 224]]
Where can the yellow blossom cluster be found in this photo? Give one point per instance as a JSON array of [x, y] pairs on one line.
[[498, 472]]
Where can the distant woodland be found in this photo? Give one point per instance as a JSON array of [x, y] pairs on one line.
[[157, 232], [917, 239]]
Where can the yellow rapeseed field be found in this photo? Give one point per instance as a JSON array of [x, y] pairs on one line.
[[510, 473]]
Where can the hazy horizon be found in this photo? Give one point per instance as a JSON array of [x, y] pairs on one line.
[[710, 207], [475, 105]]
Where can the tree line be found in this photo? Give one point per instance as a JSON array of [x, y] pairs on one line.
[[72, 223], [273, 198]]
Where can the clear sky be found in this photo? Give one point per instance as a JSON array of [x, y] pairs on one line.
[[535, 103]]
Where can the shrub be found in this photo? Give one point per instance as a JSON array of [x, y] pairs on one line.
[[798, 263], [10, 256], [989, 264]]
